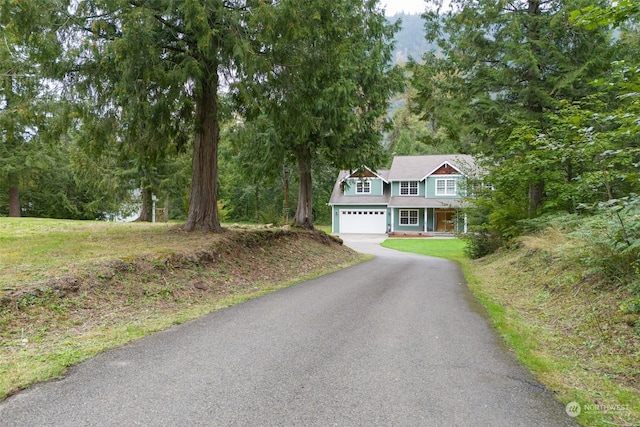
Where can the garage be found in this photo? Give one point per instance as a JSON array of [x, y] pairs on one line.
[[365, 221]]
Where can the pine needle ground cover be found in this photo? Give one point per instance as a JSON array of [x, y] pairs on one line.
[[71, 289], [578, 334]]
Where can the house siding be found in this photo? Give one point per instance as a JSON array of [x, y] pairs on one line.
[[376, 187], [408, 228], [431, 220], [395, 188], [431, 186]]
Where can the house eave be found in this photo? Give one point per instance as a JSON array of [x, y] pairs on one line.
[[446, 162], [370, 170]]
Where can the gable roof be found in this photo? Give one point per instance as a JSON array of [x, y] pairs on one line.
[[338, 197], [383, 174], [417, 168]]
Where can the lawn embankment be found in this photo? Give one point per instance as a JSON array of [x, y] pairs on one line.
[[70, 289], [576, 334]]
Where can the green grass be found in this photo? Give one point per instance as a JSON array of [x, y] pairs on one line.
[[442, 248], [134, 279], [32, 249]]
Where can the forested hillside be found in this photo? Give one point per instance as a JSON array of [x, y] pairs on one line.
[[546, 97], [410, 39]]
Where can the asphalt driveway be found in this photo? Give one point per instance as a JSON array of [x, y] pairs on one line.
[[395, 341]]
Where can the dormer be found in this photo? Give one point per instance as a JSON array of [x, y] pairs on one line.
[[444, 181], [363, 182]]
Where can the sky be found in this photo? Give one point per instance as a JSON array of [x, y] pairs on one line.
[[408, 6]]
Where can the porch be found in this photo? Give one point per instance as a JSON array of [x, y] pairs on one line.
[[426, 222], [417, 234]]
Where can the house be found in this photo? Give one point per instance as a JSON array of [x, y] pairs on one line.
[[418, 194]]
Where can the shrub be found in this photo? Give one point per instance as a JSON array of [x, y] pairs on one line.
[[481, 242]]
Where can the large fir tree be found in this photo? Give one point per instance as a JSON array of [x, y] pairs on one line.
[[321, 86], [504, 69], [154, 70]]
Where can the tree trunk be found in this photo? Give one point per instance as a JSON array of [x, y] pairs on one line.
[[203, 211], [166, 209], [285, 190], [304, 213], [14, 202], [146, 214], [532, 101], [256, 195], [536, 194]]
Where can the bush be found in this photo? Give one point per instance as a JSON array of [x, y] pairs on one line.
[[611, 241], [481, 243]]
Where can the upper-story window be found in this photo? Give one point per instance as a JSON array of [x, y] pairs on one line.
[[363, 187], [408, 188], [446, 187]]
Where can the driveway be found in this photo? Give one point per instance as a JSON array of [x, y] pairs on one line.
[[395, 341]]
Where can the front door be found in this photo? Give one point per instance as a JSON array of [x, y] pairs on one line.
[[445, 220]]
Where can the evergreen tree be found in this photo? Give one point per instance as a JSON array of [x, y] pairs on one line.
[[28, 101], [322, 85], [153, 71], [506, 69]]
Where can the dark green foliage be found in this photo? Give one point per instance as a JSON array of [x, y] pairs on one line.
[[481, 242], [151, 73], [604, 239], [514, 84], [320, 88], [614, 238]]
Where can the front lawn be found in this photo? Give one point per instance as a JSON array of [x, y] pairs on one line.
[[442, 248]]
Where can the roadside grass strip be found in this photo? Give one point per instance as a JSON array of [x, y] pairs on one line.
[[573, 334]]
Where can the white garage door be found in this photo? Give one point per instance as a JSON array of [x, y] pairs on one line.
[[363, 221]]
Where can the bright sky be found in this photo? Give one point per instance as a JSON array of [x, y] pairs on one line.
[[408, 6]]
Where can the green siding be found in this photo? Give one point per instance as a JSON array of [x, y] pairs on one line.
[[411, 228], [395, 189], [431, 187], [376, 187], [431, 220]]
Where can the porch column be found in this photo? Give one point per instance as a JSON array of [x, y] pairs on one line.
[[425, 227]]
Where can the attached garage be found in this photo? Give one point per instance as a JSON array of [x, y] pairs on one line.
[[364, 221]]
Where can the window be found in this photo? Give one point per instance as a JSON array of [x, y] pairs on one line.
[[408, 188], [408, 217], [446, 187], [363, 187]]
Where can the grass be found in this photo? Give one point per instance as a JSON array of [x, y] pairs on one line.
[[442, 248], [572, 334], [71, 289], [34, 249]]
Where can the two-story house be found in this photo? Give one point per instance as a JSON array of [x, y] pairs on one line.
[[418, 194]]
